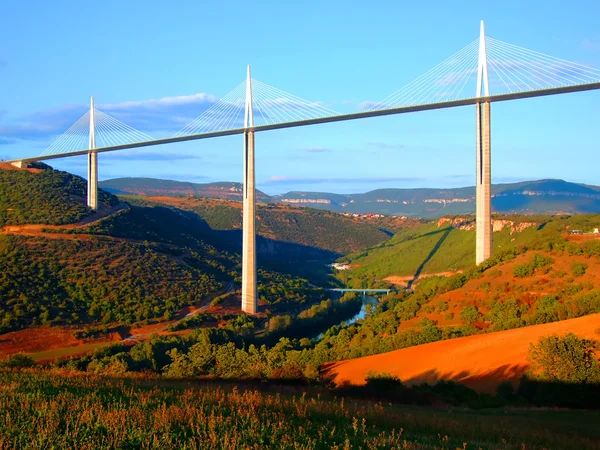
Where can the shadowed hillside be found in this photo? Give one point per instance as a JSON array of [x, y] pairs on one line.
[[154, 186], [309, 227], [64, 264]]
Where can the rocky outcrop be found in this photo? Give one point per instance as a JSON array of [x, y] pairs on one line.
[[468, 223]]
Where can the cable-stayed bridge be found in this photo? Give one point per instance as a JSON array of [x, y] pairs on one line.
[[486, 70]]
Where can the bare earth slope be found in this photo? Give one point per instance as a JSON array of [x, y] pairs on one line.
[[480, 362]]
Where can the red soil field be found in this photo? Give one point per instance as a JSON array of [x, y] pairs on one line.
[[45, 338], [480, 362]]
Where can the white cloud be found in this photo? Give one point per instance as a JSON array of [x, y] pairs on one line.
[[163, 102], [163, 114], [592, 43], [367, 104]]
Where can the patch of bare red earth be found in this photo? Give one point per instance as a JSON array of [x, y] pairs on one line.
[[404, 280], [9, 166], [480, 362], [41, 339]]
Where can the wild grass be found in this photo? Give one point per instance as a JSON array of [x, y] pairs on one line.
[[66, 351], [49, 409]]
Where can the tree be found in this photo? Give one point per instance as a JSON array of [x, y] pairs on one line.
[[566, 359], [17, 361], [469, 314], [579, 269]]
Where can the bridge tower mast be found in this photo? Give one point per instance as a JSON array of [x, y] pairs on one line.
[[249, 288], [483, 183], [92, 187]]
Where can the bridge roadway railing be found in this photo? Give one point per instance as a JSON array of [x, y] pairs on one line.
[[340, 118], [364, 291]]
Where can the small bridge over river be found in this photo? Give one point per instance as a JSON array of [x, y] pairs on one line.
[[365, 291]]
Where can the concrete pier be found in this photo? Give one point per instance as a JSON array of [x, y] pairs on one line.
[[93, 180], [92, 187], [483, 185], [249, 285]]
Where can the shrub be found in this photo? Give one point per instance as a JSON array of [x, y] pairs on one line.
[[382, 384], [505, 390], [451, 392], [523, 270], [469, 314], [17, 361], [441, 307], [288, 372], [496, 273], [538, 261], [566, 359], [578, 269], [572, 289], [506, 315]]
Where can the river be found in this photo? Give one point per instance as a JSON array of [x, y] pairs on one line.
[[366, 300]]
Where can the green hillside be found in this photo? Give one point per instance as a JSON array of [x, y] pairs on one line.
[[49, 197], [136, 264], [305, 226], [438, 247], [59, 282]]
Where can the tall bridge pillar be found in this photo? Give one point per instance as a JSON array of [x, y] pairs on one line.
[[483, 185], [249, 283], [92, 186], [483, 182]]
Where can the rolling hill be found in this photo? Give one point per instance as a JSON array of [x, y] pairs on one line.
[[448, 244], [155, 186], [43, 196], [317, 229], [65, 264], [529, 197], [481, 362], [153, 258]]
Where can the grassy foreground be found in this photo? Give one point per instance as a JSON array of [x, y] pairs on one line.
[[46, 409]]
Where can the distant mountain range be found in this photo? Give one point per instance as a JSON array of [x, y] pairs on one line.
[[528, 197], [155, 186]]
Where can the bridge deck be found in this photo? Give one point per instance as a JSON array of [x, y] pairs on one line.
[[340, 118]]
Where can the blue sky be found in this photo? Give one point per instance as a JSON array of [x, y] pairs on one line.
[[151, 62]]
